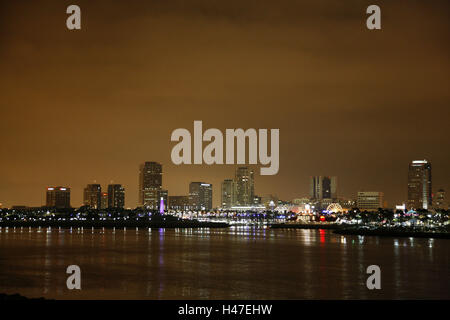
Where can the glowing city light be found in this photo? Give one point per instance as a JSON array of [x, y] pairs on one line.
[[161, 206]]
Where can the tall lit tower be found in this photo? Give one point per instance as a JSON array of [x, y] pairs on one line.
[[150, 182], [116, 196], [323, 187], [92, 196], [245, 186], [419, 185], [228, 193], [58, 197], [161, 206], [200, 196]]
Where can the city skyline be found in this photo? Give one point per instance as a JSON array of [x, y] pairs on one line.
[[320, 188], [79, 106]]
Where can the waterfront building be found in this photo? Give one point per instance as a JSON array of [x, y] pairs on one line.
[[228, 193], [323, 187], [200, 196], [419, 185], [92, 196], [116, 196], [245, 186], [150, 183], [58, 197], [370, 200]]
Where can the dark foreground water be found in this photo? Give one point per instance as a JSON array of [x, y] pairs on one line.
[[237, 263]]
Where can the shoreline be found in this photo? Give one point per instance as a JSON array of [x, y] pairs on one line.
[[392, 233], [114, 224], [380, 232], [335, 228]]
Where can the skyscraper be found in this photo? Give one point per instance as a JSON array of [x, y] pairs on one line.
[[200, 196], [322, 187], [228, 193], [419, 185], [150, 183], [116, 196], [245, 186], [58, 197], [92, 196]]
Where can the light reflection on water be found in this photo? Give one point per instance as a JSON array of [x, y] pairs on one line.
[[235, 263]]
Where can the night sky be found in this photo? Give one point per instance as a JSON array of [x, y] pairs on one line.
[[91, 105]]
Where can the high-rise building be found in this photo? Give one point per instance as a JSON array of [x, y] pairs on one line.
[[228, 193], [179, 203], [419, 185], [322, 187], [116, 196], [150, 183], [92, 196], [370, 200], [58, 197], [104, 200], [200, 196], [439, 200], [245, 186]]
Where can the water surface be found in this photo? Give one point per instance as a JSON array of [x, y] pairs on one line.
[[235, 263]]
